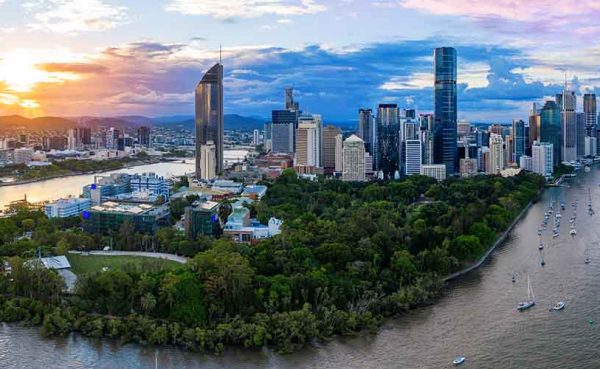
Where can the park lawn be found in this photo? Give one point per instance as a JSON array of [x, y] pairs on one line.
[[81, 264]]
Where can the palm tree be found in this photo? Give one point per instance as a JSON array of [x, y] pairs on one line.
[[148, 302]]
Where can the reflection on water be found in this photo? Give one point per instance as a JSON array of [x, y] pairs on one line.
[[476, 317], [53, 189]]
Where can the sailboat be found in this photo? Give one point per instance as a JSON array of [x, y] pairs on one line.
[[530, 302]]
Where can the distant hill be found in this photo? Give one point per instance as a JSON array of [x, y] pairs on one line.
[[232, 121], [14, 121]]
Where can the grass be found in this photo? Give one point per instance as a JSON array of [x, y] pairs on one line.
[[81, 264]]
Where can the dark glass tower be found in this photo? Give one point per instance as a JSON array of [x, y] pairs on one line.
[[366, 128], [388, 140], [519, 140], [445, 115], [550, 128], [590, 110], [209, 115]]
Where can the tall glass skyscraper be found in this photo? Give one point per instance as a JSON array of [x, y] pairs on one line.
[[388, 140], [519, 140], [209, 116], [550, 128], [445, 100], [567, 104], [366, 129], [590, 110]]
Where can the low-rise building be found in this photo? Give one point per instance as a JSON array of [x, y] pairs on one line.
[[110, 215], [68, 207], [255, 192], [202, 218], [437, 171]]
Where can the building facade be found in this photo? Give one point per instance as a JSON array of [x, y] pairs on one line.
[[354, 159], [445, 105]]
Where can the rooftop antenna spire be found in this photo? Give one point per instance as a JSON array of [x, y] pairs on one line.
[[220, 54]]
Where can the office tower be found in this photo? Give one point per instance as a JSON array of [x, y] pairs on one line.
[[283, 128], [483, 159], [542, 161], [414, 157], [496, 129], [409, 114], [411, 130], [290, 104], [72, 139], [567, 103], [267, 138], [445, 101], [112, 138], [463, 128], [590, 111], [534, 128], [256, 137], [85, 135], [367, 129], [468, 166], [496, 157], [388, 140], [330, 134], [581, 130], [339, 154], [144, 136], [519, 141], [550, 129], [208, 157], [591, 147], [209, 116], [526, 163], [353, 159], [307, 144], [509, 149]]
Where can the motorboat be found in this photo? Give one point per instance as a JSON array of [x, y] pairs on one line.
[[458, 360], [559, 306], [541, 246], [556, 234], [573, 232]]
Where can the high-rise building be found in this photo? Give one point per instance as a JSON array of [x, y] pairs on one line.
[[330, 134], [144, 136], [290, 104], [112, 138], [308, 146], [256, 137], [388, 140], [267, 138], [339, 154], [496, 154], [567, 103], [283, 128], [534, 128], [414, 157], [367, 129], [581, 130], [463, 128], [509, 149], [209, 116], [591, 114], [542, 159], [519, 142], [550, 130], [208, 156], [590, 146], [445, 101], [354, 159]]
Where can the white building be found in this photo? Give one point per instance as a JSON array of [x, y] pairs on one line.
[[414, 157], [526, 163], [208, 159], [437, 171], [67, 207], [150, 184], [22, 155], [496, 157], [308, 142], [256, 138], [354, 159], [542, 158], [591, 146]]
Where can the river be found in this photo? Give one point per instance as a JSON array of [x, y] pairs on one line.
[[476, 317], [56, 188]]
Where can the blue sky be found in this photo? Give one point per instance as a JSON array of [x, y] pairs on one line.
[[114, 57]]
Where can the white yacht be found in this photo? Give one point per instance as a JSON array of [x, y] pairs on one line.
[[458, 360]]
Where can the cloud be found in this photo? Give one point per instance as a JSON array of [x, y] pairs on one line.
[[74, 16], [78, 68], [245, 8]]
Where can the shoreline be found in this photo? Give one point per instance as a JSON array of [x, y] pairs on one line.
[[29, 181]]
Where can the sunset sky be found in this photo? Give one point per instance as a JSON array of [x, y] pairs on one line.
[[134, 57]]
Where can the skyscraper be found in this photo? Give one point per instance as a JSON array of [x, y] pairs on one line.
[[414, 157], [207, 161], [283, 128], [330, 134], [388, 140], [144, 136], [581, 130], [542, 161], [445, 101], [308, 147], [290, 104], [496, 154], [366, 129], [591, 113], [353, 159], [209, 116], [534, 128], [550, 130], [518, 133], [567, 103]]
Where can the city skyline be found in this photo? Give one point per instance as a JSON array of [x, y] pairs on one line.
[[151, 70]]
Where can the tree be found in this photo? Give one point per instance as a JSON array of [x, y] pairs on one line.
[[148, 302], [126, 235]]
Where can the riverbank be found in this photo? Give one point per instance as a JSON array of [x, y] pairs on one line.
[[135, 163]]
